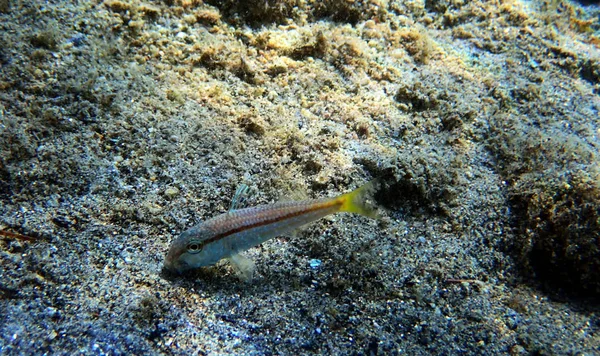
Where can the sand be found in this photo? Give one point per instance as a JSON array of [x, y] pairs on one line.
[[123, 123]]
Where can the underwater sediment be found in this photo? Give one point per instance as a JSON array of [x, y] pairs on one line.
[[124, 123]]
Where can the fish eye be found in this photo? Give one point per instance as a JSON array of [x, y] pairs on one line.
[[194, 247]]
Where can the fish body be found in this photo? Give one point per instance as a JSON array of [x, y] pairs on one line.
[[228, 234]]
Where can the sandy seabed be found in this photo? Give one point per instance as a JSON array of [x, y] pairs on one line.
[[123, 123]]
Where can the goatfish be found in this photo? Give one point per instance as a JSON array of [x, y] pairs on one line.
[[229, 234]]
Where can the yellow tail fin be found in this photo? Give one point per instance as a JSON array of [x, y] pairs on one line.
[[357, 200]]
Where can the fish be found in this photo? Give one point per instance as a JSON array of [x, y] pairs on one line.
[[231, 233]]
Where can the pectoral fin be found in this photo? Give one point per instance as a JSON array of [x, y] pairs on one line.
[[243, 266]]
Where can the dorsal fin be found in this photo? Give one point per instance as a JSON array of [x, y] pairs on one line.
[[240, 198]]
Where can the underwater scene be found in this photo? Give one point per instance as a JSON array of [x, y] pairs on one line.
[[299, 177]]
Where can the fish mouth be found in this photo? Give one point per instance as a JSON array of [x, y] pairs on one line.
[[172, 268], [173, 263], [169, 265], [169, 269]]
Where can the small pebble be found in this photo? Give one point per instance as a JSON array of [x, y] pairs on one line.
[[171, 192], [314, 263]]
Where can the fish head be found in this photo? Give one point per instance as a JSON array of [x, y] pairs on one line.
[[191, 250]]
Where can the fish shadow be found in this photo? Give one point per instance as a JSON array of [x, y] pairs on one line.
[[221, 279]]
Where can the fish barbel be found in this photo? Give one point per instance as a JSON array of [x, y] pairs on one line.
[[228, 234]]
